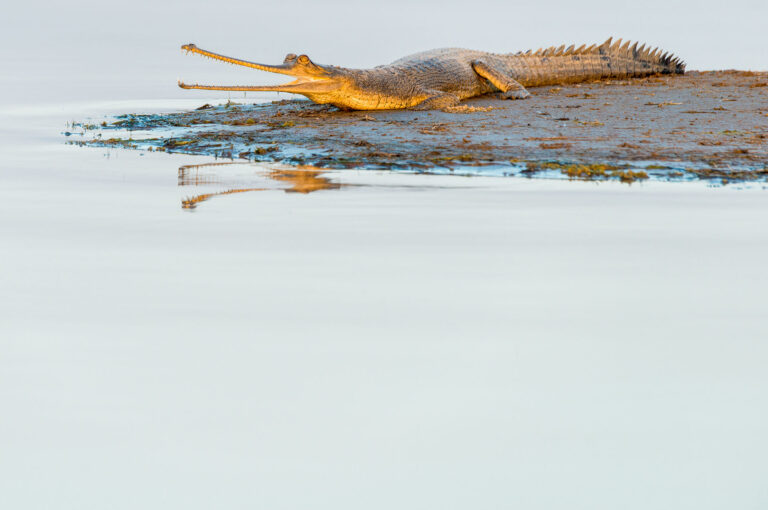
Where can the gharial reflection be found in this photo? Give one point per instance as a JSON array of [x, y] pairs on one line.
[[292, 180]]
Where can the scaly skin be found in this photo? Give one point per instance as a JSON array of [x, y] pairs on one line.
[[442, 78]]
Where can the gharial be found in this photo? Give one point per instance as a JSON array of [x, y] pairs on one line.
[[441, 78]]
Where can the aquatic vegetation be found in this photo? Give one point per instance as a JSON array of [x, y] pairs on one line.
[[587, 172]]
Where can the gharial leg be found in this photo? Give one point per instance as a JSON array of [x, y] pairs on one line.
[[437, 101], [510, 88]]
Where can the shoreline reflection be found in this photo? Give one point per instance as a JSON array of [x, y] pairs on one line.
[[290, 180]]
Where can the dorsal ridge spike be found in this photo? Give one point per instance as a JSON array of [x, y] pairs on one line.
[[626, 45], [569, 50], [616, 45], [647, 53], [605, 47]]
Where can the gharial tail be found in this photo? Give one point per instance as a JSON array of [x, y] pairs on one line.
[[607, 60], [654, 57]]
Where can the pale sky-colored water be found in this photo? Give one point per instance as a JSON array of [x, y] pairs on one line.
[[403, 342], [55, 51]]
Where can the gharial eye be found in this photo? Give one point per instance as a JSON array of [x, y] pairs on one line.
[[303, 59]]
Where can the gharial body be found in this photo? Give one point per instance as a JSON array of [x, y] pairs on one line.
[[441, 78]]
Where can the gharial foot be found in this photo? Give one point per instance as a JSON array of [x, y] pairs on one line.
[[515, 94]]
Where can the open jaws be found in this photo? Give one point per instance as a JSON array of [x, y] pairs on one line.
[[303, 84]]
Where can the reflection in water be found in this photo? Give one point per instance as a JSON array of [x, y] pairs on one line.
[[293, 180], [191, 203], [303, 181]]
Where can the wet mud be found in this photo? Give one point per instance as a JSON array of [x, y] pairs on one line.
[[703, 125]]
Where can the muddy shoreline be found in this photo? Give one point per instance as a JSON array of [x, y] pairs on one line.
[[703, 125]]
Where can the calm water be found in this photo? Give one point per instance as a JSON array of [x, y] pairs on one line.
[[386, 341]]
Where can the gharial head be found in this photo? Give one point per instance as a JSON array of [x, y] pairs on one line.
[[312, 80]]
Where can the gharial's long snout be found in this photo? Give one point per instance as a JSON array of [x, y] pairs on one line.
[[311, 78]]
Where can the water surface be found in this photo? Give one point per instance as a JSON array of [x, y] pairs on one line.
[[383, 341]]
